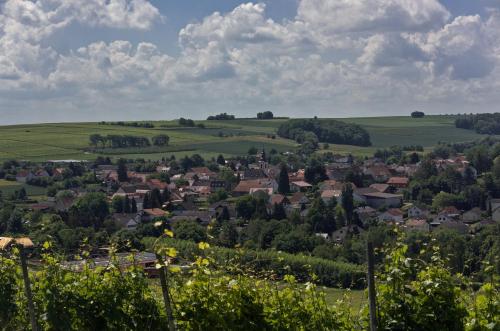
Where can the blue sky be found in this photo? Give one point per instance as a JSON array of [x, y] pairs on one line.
[[90, 60]]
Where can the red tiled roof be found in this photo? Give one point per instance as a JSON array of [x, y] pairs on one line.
[[398, 180]]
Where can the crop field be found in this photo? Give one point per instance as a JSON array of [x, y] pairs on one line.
[[40, 142]]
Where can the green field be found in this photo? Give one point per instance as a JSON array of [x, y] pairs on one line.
[[40, 142]]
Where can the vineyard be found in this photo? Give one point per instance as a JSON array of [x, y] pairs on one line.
[[211, 292]]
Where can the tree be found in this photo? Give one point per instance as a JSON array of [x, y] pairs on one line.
[[15, 224], [146, 202], [283, 180], [160, 140], [480, 158], [444, 199], [245, 206], [122, 171], [117, 204], [95, 139], [221, 160], [189, 230], [348, 202], [252, 151], [417, 114], [126, 205], [267, 115], [155, 198], [279, 212], [228, 236], [90, 210], [133, 206], [224, 215]]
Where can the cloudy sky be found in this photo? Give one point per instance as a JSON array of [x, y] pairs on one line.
[[69, 60]]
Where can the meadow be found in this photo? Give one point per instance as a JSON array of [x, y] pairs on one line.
[[40, 142]]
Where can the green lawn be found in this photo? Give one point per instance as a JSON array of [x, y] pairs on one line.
[[70, 140]]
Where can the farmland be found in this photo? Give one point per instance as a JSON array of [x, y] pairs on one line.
[[40, 142]]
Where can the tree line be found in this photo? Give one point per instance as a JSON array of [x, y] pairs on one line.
[[221, 117], [132, 124], [330, 131], [125, 141], [488, 123]]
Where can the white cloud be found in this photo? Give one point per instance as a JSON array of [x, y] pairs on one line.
[[335, 55], [372, 15]]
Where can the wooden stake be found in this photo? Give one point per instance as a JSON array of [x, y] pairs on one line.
[[371, 287], [27, 289], [166, 295]]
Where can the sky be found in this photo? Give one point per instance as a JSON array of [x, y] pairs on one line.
[[93, 60]]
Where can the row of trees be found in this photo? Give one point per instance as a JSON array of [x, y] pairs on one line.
[[126, 141], [221, 117], [131, 124]]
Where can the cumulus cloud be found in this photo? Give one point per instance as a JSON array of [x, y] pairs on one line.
[[372, 15], [335, 54]]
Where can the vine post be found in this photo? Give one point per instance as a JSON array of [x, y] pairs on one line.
[[371, 287]]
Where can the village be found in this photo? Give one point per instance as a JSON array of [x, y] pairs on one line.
[[166, 194]]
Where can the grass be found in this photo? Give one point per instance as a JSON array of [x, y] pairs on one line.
[[40, 142], [8, 187]]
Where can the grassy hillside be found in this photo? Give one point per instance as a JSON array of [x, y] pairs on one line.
[[70, 140]]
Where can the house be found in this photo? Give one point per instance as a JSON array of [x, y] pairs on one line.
[[472, 216], [383, 188], [24, 176], [393, 215], [125, 190], [376, 199], [416, 224], [257, 190], [217, 208], [252, 174], [328, 195], [203, 172], [150, 214], [127, 221], [417, 212], [245, 186], [278, 199], [156, 183], [447, 214], [299, 200], [41, 173], [398, 182], [495, 209], [300, 186], [379, 173]]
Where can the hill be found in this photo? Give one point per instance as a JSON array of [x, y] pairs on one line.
[[40, 142]]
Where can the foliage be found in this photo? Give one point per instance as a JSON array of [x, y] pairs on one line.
[[274, 264], [486, 123], [221, 117], [330, 131], [415, 295], [267, 115], [417, 114]]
